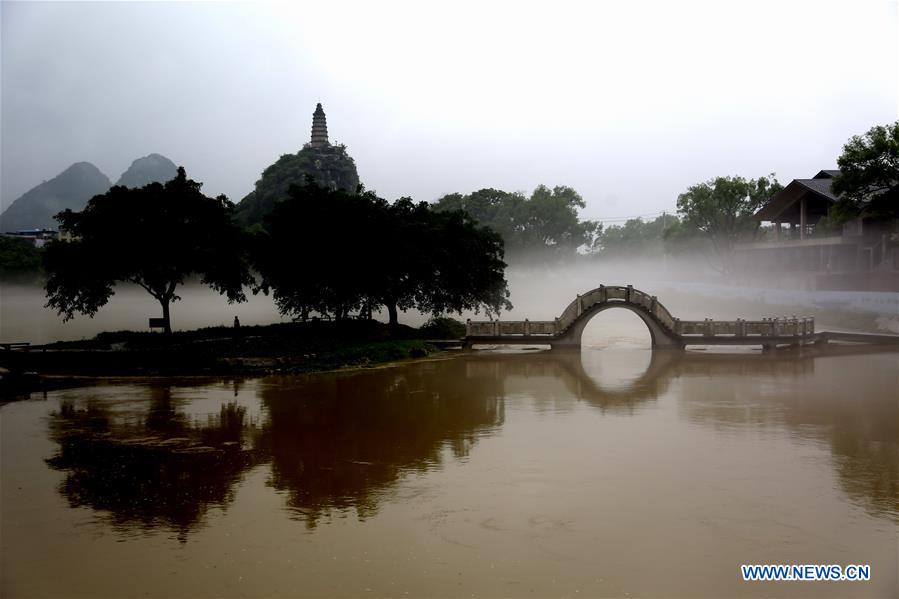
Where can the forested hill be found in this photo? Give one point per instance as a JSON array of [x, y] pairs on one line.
[[330, 166], [154, 168], [70, 189]]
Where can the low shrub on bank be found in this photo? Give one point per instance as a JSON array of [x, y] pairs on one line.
[[443, 327]]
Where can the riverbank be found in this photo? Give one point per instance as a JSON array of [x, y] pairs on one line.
[[286, 348]]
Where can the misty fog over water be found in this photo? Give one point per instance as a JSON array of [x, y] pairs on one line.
[[538, 292]]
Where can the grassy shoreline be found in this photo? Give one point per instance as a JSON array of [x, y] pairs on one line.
[[285, 348]]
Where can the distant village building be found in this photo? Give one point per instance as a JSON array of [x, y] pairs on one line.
[[862, 255], [37, 237], [319, 128]]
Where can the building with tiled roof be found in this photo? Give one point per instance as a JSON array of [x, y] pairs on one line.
[[803, 246]]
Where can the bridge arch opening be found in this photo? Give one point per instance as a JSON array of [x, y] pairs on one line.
[[615, 327]]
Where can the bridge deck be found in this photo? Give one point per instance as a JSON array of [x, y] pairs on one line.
[[665, 329]]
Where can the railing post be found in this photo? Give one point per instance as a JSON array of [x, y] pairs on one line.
[[813, 325], [603, 295], [654, 302], [556, 327], [709, 327], [629, 294], [741, 327], [678, 328], [527, 328], [580, 305], [496, 331], [468, 327]]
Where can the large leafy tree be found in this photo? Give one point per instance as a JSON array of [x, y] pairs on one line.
[[318, 250], [547, 222], [333, 252], [462, 264], [636, 237], [869, 172], [722, 209], [155, 237], [551, 220], [502, 211]]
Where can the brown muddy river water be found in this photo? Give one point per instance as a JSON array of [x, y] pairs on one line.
[[614, 471]]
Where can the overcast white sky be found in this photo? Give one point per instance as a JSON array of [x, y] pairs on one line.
[[627, 102]]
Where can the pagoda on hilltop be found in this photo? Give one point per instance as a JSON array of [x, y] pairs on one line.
[[328, 165], [319, 128]]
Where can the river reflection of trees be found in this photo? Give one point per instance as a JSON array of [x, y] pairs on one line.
[[341, 442], [153, 468], [334, 442]]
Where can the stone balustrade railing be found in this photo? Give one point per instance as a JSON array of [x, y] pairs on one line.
[[769, 327], [498, 328]]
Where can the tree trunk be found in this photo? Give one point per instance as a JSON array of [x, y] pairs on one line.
[[165, 315], [391, 310]]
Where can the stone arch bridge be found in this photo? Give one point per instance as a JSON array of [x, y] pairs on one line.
[[666, 331]]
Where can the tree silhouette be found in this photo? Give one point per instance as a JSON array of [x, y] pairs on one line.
[[154, 237], [462, 265], [333, 252]]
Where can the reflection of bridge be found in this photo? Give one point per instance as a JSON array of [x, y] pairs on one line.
[[665, 330], [585, 383]]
